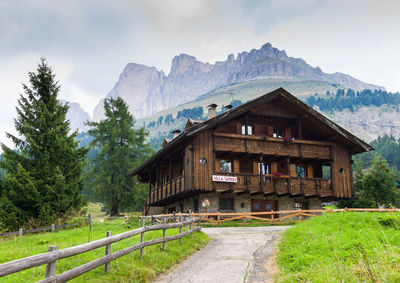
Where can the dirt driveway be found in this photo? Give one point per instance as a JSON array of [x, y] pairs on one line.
[[234, 254]]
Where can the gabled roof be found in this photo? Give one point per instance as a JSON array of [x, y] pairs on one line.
[[358, 144]]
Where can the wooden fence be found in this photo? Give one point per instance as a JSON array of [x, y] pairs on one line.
[[270, 217], [51, 228], [50, 258]]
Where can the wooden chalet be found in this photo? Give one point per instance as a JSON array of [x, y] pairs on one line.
[[272, 153]]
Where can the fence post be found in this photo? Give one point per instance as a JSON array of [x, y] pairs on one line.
[[51, 266], [152, 219], [272, 214], [53, 227], [173, 217], [218, 217], [142, 240], [301, 216], [190, 219], [244, 218], [180, 229], [345, 209], [20, 232], [163, 233], [108, 251]]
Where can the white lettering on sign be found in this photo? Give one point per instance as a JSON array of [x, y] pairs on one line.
[[228, 179]]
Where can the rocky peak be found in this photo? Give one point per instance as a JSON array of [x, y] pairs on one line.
[[148, 90]]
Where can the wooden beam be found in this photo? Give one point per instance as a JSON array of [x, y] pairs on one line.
[[255, 193], [226, 153], [242, 193]]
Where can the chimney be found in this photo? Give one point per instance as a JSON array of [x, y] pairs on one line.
[[175, 133], [212, 112], [228, 107]]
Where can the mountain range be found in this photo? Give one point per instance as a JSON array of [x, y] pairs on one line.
[[153, 95], [148, 90]]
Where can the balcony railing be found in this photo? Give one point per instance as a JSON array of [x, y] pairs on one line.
[[168, 190], [283, 185], [272, 146]]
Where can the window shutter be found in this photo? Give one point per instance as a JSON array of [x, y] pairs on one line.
[[288, 132], [270, 131], [236, 166], [238, 129], [310, 172]]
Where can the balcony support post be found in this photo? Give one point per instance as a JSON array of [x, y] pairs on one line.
[[162, 181], [149, 184], [260, 167], [289, 181], [170, 176], [300, 130]]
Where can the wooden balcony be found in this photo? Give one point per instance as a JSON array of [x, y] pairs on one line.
[[271, 146], [268, 184], [167, 191]]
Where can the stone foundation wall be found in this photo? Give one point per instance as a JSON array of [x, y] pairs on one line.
[[241, 203]]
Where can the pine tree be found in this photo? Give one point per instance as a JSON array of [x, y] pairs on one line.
[[43, 178], [121, 149]]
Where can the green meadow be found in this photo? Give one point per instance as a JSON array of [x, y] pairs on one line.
[[128, 268], [342, 247]]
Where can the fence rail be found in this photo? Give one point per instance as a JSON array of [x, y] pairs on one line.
[[50, 258], [270, 217]]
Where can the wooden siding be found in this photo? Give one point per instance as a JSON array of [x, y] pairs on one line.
[[271, 146], [188, 166], [203, 149], [342, 181]]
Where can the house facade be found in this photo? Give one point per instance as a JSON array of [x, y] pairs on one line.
[[272, 153]]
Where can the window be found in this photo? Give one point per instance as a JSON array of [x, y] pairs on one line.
[[300, 171], [249, 130], [226, 203], [225, 166], [264, 168], [278, 133], [256, 206], [268, 207], [326, 171]]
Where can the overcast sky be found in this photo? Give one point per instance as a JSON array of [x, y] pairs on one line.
[[88, 43]]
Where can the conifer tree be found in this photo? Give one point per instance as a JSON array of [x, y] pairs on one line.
[[43, 178], [121, 149]]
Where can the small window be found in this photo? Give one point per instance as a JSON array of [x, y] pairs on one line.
[[268, 206], [226, 203], [300, 171], [249, 130], [264, 168], [225, 166], [278, 133], [326, 171], [256, 206]]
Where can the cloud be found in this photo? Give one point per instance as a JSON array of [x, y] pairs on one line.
[[88, 43]]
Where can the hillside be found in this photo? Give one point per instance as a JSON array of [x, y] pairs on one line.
[[366, 121], [147, 90]]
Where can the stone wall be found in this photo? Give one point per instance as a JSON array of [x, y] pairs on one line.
[[241, 203]]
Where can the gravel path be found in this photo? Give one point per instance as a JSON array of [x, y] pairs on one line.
[[234, 254]]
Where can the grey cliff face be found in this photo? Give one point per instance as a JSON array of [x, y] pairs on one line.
[[147, 90], [77, 117]]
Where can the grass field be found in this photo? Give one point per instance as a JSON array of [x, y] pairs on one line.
[[126, 269], [342, 247]]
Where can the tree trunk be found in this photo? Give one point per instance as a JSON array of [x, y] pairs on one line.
[[113, 202]]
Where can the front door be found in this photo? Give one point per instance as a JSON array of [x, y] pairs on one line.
[[261, 205]]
